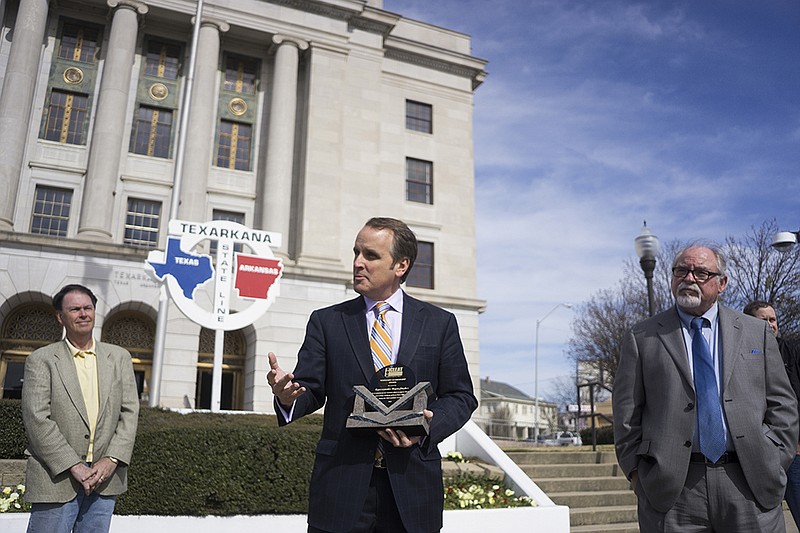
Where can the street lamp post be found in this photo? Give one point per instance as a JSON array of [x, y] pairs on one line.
[[536, 374], [646, 245]]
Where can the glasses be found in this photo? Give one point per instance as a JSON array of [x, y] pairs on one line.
[[699, 274]]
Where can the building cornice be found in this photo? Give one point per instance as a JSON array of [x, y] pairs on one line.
[[435, 58]]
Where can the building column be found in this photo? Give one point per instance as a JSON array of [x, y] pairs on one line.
[[276, 190], [200, 132], [16, 100], [106, 147]]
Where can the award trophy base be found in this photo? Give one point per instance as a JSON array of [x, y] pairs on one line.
[[391, 404]]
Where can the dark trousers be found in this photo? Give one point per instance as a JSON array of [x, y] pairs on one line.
[[380, 514]]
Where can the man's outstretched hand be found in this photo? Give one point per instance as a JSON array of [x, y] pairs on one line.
[[282, 385]]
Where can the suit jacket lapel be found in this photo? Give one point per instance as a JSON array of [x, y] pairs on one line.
[[730, 335], [413, 320], [354, 319], [69, 377], [104, 373], [670, 331]]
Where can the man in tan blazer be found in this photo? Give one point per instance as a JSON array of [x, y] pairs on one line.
[[726, 474], [80, 407]]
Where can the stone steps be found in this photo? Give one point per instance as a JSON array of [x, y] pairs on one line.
[[605, 498], [590, 483]]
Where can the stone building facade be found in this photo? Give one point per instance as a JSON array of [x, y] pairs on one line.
[[307, 118]]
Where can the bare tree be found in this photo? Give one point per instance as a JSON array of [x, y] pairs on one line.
[[600, 326], [756, 271]]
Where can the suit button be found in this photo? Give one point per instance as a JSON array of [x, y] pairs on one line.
[[83, 457], [86, 436], [688, 444]]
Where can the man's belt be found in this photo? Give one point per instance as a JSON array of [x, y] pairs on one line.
[[727, 457]]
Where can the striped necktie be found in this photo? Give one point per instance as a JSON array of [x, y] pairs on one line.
[[381, 337]]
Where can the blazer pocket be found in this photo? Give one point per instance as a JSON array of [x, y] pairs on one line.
[[644, 449], [427, 350], [772, 437], [327, 447]]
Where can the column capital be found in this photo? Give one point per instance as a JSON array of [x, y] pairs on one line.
[[220, 24], [140, 7], [280, 39]]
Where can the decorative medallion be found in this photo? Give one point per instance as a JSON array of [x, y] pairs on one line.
[[237, 106], [73, 75], [158, 91]]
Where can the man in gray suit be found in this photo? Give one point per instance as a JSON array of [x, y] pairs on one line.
[[705, 420], [80, 408]]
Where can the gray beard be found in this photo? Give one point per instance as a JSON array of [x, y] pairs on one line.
[[688, 301]]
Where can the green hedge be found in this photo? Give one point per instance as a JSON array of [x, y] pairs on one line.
[[605, 435], [12, 433], [206, 464]]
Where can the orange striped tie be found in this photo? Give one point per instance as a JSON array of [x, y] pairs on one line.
[[381, 337]]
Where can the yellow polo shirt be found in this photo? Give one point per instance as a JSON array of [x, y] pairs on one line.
[[86, 365]]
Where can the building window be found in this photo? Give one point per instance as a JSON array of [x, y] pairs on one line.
[[422, 274], [419, 116], [141, 223], [78, 42], [419, 181], [25, 329], [240, 74], [152, 131], [234, 145], [51, 211], [162, 60], [66, 117], [231, 216]]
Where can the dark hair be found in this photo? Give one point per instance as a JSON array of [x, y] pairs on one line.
[[58, 299], [404, 243], [755, 305]]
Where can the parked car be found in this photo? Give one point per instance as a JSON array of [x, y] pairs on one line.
[[568, 438], [561, 438]]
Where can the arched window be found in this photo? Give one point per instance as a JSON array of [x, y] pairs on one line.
[[135, 332], [234, 352], [28, 327]]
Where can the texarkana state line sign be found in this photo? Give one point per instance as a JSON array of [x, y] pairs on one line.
[[254, 276]]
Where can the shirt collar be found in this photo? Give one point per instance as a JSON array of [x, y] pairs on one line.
[[710, 315], [395, 300], [76, 352]]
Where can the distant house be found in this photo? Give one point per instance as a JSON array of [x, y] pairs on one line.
[[506, 411]]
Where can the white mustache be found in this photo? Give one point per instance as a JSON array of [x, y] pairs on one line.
[[694, 287]]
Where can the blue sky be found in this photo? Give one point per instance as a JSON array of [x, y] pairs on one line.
[[599, 114]]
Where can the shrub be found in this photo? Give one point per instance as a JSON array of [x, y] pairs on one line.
[[219, 464], [605, 435], [202, 464], [12, 433]]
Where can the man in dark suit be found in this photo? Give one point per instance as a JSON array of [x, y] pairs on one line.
[[705, 420], [357, 485], [790, 352], [80, 408]]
